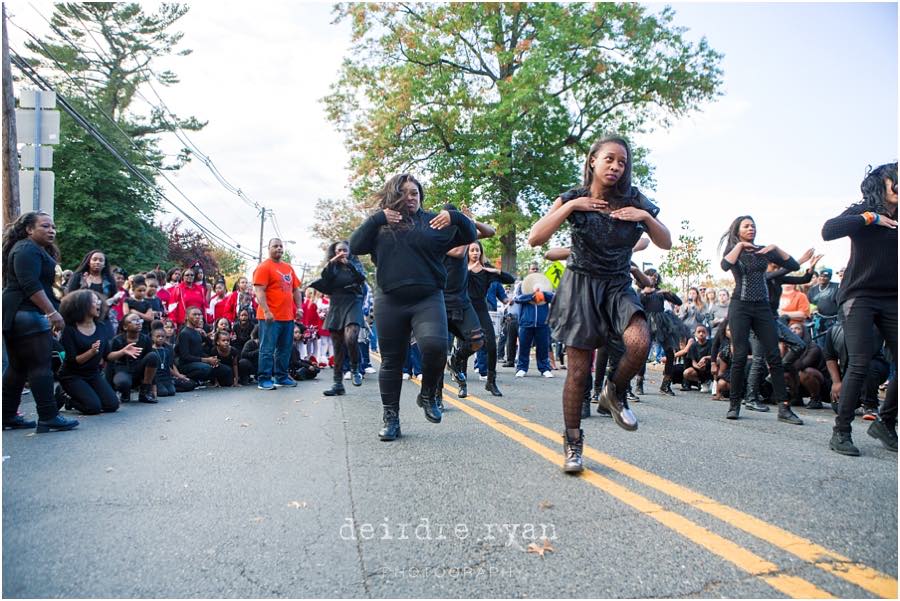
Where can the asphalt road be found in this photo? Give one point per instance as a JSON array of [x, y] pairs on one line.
[[244, 493]]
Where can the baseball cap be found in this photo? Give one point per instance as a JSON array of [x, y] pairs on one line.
[[825, 271]]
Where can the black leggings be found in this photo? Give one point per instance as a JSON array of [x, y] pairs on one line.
[[742, 317], [90, 394], [29, 359], [346, 342], [490, 338], [396, 317], [859, 314], [127, 377], [667, 368]]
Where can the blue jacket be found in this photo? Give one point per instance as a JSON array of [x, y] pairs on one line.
[[530, 314], [495, 292]]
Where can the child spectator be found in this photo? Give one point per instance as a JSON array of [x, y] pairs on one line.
[[168, 379], [138, 303], [86, 341], [699, 360], [300, 368], [218, 305], [227, 373], [156, 304], [249, 362], [242, 329], [132, 361]]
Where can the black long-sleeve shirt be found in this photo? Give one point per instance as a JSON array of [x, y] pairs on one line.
[[480, 282], [872, 270], [749, 274], [774, 280], [190, 348], [411, 258], [654, 302]]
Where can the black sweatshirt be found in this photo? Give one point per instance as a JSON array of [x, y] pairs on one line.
[[872, 270], [411, 257], [749, 274], [456, 294], [190, 347], [480, 282]]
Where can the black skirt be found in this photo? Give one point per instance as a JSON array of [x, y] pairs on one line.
[[667, 329], [587, 310], [344, 310]]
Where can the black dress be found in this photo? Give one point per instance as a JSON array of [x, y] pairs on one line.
[[343, 282]]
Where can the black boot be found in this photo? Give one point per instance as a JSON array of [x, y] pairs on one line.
[[391, 418], [58, 424], [842, 442], [18, 423], [629, 394], [572, 449], [491, 384], [427, 400], [884, 433], [458, 374], [586, 405], [337, 389], [755, 405], [639, 385], [787, 416], [616, 403], [734, 409], [145, 395], [666, 386]]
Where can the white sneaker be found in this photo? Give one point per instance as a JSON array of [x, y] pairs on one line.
[[406, 376], [520, 374], [347, 375], [482, 378], [704, 388], [547, 374], [370, 370]]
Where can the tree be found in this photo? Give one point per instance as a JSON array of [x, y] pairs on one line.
[[335, 219], [684, 260], [497, 104]]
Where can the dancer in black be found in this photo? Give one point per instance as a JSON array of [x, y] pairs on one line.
[[595, 300], [343, 279], [665, 328], [749, 310], [481, 274], [462, 321], [868, 294], [407, 245]]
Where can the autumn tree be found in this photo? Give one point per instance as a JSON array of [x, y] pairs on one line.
[[496, 104], [684, 260]]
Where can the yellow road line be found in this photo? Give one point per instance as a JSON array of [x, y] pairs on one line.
[[792, 586], [877, 583]]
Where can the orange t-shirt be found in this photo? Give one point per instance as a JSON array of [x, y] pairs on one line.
[[280, 282], [794, 301]]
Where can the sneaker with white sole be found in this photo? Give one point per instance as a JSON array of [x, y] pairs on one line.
[[547, 374], [482, 378], [406, 376], [705, 388], [347, 375], [520, 374], [370, 370]]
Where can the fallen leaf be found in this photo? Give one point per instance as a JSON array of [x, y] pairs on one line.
[[298, 504], [544, 547], [227, 419], [163, 437], [257, 519], [545, 505], [168, 410], [30, 435], [245, 425], [110, 469]]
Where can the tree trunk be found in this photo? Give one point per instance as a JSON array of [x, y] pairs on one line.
[[508, 240], [11, 207]]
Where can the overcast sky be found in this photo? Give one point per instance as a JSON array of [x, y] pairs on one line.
[[810, 100]]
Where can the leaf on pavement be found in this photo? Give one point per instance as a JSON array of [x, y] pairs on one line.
[[257, 519], [545, 505], [110, 469], [30, 435], [245, 425], [298, 504], [163, 437], [227, 419], [540, 549]]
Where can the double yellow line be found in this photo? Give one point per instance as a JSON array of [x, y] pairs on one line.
[[875, 582]]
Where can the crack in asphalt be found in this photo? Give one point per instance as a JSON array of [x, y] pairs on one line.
[[359, 554]]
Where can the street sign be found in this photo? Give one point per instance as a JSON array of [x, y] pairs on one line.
[[554, 272], [27, 160], [26, 191], [49, 126], [26, 99]]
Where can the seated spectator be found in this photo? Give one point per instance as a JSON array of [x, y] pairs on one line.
[[133, 362], [226, 374], [794, 304], [834, 350], [191, 356], [806, 379], [699, 360], [218, 305], [86, 341], [721, 368], [151, 278], [170, 330], [249, 362], [138, 304], [168, 379], [242, 329], [300, 368]]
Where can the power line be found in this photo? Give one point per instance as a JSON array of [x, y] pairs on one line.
[[31, 74]]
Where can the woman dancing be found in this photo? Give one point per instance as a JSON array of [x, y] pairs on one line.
[[408, 245], [749, 310], [343, 279], [595, 300], [665, 328], [868, 294]]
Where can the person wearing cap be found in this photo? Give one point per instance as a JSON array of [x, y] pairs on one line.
[[534, 301], [823, 294]]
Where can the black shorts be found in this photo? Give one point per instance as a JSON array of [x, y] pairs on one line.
[[463, 323], [587, 310]]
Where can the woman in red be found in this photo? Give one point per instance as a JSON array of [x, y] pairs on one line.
[[311, 319], [187, 294]]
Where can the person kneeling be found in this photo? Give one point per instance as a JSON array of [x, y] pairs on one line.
[[168, 379], [132, 361]]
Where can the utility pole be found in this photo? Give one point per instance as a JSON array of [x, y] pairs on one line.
[[262, 225], [11, 208]]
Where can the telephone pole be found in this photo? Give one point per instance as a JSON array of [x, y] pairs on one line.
[[262, 225], [11, 207]]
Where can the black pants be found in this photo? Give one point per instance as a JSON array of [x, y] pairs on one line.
[[795, 346], [246, 368], [29, 359], [464, 324], [744, 317], [126, 377], [396, 317], [90, 394], [512, 338], [667, 368], [490, 338], [607, 360], [859, 314], [170, 386]]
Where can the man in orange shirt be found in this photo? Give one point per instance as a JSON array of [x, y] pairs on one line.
[[278, 292], [794, 304]]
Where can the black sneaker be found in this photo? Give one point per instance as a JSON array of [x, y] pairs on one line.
[[815, 404], [756, 406], [842, 442], [58, 423], [886, 435], [787, 416], [18, 423]]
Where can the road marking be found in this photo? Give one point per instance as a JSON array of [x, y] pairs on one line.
[[880, 584], [877, 583]]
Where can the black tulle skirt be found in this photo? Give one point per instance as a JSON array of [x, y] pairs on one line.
[[667, 329]]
